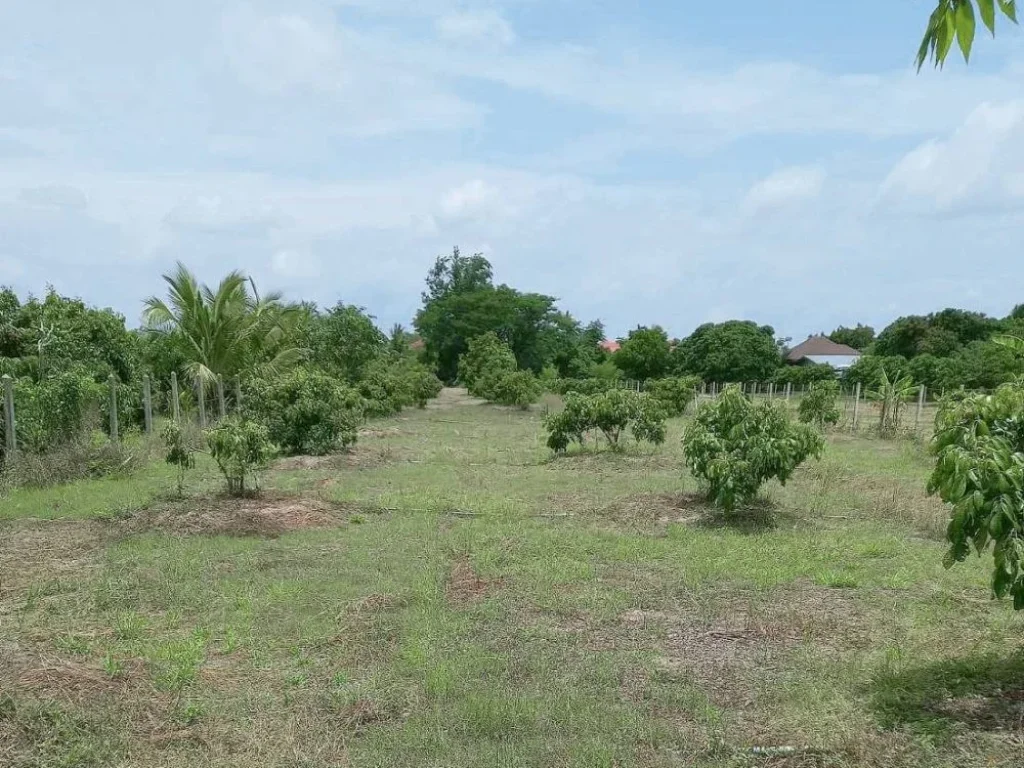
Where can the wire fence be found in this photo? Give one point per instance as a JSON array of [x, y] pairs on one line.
[[202, 404]]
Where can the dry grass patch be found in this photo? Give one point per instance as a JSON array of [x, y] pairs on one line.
[[268, 515]]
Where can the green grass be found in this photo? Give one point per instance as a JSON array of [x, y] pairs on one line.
[[474, 602]]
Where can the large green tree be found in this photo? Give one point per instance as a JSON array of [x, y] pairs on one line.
[[344, 339], [858, 338], [229, 330], [645, 354], [733, 351], [43, 337], [461, 303], [940, 333], [957, 20]]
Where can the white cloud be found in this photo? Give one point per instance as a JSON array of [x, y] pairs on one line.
[[783, 188], [980, 164], [480, 27], [473, 198]]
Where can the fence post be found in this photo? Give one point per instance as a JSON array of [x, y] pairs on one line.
[[789, 390], [221, 402], [112, 381], [920, 407], [856, 405], [201, 399], [147, 404], [175, 405], [11, 440], [238, 395]]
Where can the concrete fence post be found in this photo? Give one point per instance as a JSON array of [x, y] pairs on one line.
[[10, 435], [856, 405], [201, 400], [175, 405], [112, 382], [147, 404], [238, 395], [222, 403], [920, 408], [789, 390]]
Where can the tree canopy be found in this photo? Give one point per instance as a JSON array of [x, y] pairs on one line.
[[644, 354], [733, 351], [858, 338]]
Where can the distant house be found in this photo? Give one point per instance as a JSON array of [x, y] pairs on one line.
[[823, 351], [610, 346]]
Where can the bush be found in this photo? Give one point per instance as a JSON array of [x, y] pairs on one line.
[[305, 411], [674, 394], [735, 446], [87, 456], [979, 471], [486, 360], [802, 375], [820, 405], [179, 451], [519, 388], [242, 449], [610, 413], [56, 410], [583, 386], [424, 385]]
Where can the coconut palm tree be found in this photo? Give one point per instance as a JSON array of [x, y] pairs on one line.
[[226, 331]]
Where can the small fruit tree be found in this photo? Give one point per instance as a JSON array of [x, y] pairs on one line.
[[820, 405], [675, 393], [305, 410], [736, 446], [979, 470], [179, 451], [519, 388], [242, 450], [487, 360], [611, 413]]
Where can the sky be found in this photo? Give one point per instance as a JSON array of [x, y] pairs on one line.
[[645, 163]]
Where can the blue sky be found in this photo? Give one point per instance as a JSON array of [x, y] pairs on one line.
[[655, 162]]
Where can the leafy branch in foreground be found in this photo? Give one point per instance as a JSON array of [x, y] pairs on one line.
[[956, 20], [979, 470]]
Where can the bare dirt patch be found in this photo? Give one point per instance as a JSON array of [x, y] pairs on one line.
[[267, 515], [453, 397], [465, 585]]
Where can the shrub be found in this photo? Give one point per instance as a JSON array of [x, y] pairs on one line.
[[178, 451], [674, 394], [583, 386], [242, 449], [979, 471], [802, 375], [519, 388], [88, 455], [486, 360], [424, 384], [305, 411], [610, 413], [820, 405], [736, 446], [56, 410]]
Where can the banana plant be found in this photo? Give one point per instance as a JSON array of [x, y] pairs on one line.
[[892, 393]]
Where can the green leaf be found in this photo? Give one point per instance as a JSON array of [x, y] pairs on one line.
[[987, 8], [944, 38], [1009, 7], [965, 27]]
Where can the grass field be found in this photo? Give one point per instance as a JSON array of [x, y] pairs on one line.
[[450, 595]]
